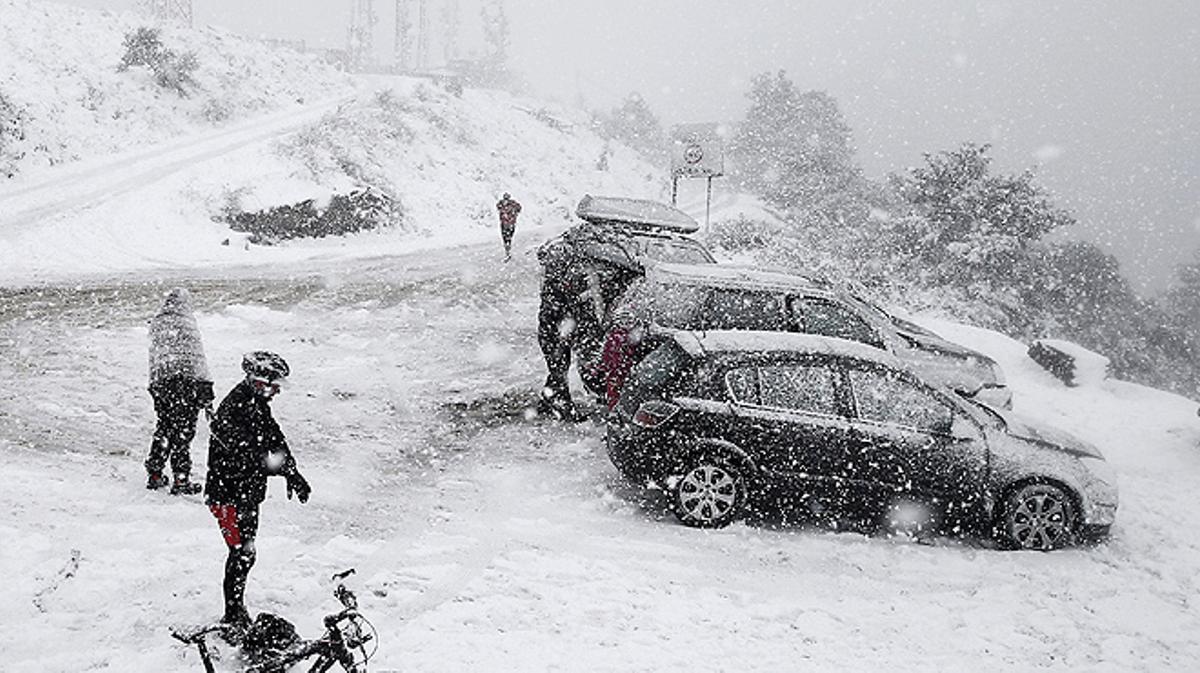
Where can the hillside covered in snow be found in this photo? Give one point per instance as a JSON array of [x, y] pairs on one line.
[[133, 161]]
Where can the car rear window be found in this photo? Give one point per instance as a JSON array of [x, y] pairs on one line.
[[661, 373]]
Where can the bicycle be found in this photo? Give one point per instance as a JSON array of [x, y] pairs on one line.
[[271, 644]]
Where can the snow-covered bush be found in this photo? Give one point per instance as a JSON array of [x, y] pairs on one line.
[[360, 210], [175, 71], [12, 134], [742, 234]]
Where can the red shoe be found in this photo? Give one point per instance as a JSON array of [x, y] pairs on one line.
[[156, 480]]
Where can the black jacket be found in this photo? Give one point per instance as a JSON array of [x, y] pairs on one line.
[[246, 446]]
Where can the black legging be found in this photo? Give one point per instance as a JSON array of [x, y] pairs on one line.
[[239, 526], [176, 408]]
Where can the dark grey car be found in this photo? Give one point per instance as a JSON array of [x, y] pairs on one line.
[[719, 417]]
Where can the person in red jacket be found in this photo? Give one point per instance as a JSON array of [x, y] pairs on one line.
[[509, 209], [245, 447]]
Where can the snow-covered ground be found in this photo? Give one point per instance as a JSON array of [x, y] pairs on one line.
[[487, 542], [483, 540]]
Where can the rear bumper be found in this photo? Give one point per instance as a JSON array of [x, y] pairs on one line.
[[633, 453]]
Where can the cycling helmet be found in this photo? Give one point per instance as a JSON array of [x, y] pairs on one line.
[[265, 364]]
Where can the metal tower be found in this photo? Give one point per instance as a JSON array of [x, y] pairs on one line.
[[179, 11], [360, 40]]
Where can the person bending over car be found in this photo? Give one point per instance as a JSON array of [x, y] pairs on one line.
[[245, 447], [583, 272]]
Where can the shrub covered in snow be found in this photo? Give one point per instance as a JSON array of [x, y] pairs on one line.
[[360, 210], [172, 70], [12, 135]]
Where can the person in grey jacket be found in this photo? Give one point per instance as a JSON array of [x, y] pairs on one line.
[[180, 386]]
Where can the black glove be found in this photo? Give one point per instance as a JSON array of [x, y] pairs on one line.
[[299, 485], [204, 393]]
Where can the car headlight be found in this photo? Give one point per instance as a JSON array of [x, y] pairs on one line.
[[1103, 479]]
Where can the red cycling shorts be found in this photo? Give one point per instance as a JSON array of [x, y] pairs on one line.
[[227, 520]]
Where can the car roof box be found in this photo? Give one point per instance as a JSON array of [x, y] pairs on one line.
[[635, 213]]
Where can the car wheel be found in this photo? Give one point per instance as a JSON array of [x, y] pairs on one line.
[[1038, 516], [710, 494]]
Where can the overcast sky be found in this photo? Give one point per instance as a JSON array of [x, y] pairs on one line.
[[1102, 96]]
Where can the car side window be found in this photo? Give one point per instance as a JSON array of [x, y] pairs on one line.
[[887, 398], [827, 318], [743, 385], [744, 309], [798, 387]]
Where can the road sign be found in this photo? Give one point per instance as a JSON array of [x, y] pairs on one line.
[[697, 151]]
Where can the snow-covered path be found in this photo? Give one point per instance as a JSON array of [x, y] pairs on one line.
[[484, 542]]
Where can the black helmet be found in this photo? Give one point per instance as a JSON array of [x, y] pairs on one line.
[[265, 364]]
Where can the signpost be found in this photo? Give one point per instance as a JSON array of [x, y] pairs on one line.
[[697, 151]]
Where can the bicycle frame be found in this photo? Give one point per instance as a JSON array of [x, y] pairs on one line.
[[335, 646]]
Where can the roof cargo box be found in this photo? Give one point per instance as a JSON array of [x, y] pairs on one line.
[[637, 213]]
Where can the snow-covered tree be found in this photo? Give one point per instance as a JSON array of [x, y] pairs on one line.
[[794, 148], [634, 123], [972, 226]]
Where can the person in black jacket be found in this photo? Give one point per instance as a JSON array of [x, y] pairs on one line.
[[583, 272], [245, 447]]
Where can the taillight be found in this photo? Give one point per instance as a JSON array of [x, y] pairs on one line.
[[654, 413], [616, 359]]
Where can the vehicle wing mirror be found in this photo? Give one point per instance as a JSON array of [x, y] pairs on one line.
[[962, 430]]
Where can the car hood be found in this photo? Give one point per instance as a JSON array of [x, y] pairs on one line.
[[1020, 427], [927, 341]]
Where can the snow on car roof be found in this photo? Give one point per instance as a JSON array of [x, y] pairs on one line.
[[738, 275], [745, 341], [635, 212]]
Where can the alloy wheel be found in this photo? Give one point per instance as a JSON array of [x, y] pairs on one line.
[[709, 495], [1039, 516]]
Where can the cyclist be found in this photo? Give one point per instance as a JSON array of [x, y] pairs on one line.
[[246, 446]]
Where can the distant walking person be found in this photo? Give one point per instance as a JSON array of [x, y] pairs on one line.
[[509, 209], [180, 386], [246, 446]]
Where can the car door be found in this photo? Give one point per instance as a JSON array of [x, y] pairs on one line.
[[793, 414], [904, 433]]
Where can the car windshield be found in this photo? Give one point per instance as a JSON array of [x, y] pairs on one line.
[[674, 250]]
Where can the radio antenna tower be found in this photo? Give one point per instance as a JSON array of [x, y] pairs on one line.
[[360, 47], [171, 11]]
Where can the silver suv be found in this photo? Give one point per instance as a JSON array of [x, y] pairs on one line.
[[727, 297]]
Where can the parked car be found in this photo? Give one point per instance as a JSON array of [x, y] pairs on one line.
[[720, 417], [703, 297]]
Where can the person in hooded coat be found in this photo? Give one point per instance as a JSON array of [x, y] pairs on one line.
[[180, 387], [583, 272]]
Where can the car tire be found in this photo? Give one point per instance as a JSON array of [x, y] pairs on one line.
[[1037, 517], [710, 493]]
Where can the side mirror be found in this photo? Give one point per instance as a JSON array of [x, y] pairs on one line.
[[962, 430]]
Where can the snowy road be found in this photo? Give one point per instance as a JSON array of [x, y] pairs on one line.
[[488, 543]]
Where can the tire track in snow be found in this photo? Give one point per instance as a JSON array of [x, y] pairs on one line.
[[58, 194]]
